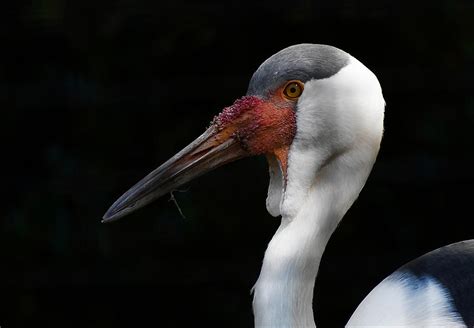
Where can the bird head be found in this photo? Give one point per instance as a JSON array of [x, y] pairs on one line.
[[305, 106]]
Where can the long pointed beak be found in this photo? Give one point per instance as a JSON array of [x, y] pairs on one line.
[[212, 149]]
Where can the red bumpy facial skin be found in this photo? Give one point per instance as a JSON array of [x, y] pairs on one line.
[[261, 126]]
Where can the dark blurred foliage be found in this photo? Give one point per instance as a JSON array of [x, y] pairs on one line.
[[95, 94]]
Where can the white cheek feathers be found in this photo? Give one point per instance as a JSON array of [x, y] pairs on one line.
[[339, 115]]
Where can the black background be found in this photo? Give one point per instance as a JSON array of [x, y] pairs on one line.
[[98, 93]]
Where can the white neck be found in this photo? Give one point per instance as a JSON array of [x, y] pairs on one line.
[[339, 129], [283, 294]]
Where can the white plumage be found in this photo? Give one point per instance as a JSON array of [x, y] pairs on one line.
[[339, 129], [403, 300]]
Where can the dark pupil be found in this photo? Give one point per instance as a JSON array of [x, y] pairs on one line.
[[293, 90]]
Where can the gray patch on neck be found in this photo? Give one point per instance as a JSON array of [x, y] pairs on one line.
[[302, 62]]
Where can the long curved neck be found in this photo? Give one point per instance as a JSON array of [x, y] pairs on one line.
[[283, 294]]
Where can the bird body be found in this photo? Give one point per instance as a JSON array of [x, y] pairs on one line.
[[317, 114], [434, 290]]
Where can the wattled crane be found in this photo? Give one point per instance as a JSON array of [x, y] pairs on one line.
[[317, 114]]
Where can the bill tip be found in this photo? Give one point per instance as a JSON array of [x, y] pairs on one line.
[[109, 217]]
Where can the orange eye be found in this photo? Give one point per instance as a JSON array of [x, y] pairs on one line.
[[293, 89]]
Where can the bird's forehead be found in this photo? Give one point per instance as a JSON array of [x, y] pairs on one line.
[[302, 62]]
